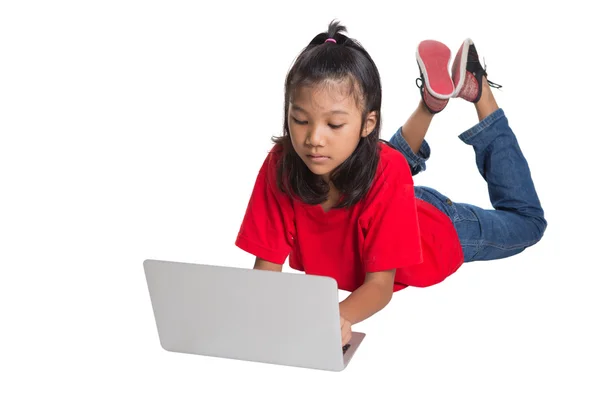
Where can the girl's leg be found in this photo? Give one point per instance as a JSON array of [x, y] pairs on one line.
[[410, 138], [517, 220], [432, 58], [415, 128]]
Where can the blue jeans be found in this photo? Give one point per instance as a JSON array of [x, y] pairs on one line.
[[517, 220]]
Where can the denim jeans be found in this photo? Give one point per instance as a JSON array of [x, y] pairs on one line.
[[517, 220]]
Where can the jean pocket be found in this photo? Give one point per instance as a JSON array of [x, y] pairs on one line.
[[465, 212]]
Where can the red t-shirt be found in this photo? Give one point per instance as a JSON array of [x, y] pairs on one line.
[[388, 229]]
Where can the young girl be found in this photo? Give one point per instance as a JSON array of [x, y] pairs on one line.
[[340, 202]]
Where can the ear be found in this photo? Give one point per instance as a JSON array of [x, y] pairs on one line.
[[370, 124]]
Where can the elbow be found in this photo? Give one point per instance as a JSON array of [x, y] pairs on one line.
[[388, 296], [386, 293]]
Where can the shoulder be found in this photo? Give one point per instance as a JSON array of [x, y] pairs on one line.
[[270, 171], [392, 174], [392, 167], [274, 160], [271, 162]]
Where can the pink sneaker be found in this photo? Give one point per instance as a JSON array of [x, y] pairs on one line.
[[433, 59], [467, 73]]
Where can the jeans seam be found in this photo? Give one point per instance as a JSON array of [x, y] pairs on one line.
[[516, 246]]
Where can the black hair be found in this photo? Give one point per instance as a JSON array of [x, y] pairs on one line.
[[321, 61]]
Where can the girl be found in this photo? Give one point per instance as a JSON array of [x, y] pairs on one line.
[[340, 202]]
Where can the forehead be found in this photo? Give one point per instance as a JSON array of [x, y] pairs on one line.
[[325, 96]]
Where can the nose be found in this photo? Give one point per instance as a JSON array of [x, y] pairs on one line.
[[315, 137]]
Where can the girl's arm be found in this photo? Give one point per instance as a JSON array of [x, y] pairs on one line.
[[266, 265], [372, 296]]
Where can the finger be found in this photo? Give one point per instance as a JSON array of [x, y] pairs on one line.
[[347, 326], [346, 339], [346, 333], [349, 333]]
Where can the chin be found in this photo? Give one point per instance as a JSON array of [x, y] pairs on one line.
[[319, 171], [322, 172]]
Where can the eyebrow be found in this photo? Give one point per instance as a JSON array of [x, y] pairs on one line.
[[298, 108]]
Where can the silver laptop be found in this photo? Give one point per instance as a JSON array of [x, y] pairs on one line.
[[246, 314]]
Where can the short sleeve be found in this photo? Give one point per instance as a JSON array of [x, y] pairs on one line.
[[267, 229], [393, 238]]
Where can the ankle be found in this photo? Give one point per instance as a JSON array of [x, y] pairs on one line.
[[485, 88], [487, 103], [486, 92], [422, 109]]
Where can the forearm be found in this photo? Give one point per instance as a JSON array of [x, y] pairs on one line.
[[264, 265], [365, 301]]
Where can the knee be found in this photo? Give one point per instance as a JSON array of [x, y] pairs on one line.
[[539, 226]]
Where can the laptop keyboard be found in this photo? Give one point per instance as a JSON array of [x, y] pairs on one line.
[[345, 348]]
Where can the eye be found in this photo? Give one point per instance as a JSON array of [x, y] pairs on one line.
[[335, 126], [299, 122]]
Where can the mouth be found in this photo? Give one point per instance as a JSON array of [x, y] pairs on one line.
[[317, 157]]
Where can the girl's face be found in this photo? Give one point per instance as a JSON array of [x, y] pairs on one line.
[[324, 123]]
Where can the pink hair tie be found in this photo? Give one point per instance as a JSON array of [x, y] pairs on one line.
[[330, 40]]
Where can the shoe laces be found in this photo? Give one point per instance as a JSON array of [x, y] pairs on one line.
[[492, 84], [419, 82]]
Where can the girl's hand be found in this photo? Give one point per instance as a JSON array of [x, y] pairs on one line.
[[346, 327]]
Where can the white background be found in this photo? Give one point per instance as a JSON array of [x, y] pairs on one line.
[[135, 129]]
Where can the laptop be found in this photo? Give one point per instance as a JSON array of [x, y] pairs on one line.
[[282, 318]]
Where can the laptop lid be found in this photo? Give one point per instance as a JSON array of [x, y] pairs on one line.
[[246, 314]]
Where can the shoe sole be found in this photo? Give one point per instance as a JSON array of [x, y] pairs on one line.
[[459, 66], [433, 58]]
